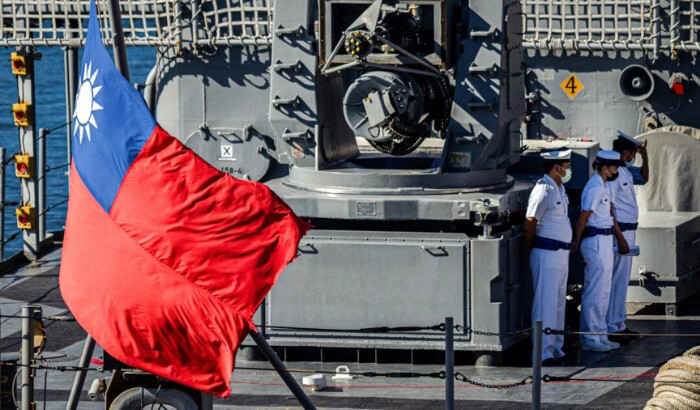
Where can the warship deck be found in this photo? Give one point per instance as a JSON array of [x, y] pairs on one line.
[[624, 377]]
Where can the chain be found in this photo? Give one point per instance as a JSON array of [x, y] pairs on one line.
[[462, 378], [521, 332]]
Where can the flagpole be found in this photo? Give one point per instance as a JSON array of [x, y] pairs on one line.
[[115, 22], [80, 375], [284, 374]]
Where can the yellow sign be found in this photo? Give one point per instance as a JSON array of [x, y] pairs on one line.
[[572, 86]]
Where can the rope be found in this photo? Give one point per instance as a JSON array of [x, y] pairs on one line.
[[677, 386]]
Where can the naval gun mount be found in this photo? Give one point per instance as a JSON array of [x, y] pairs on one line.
[[391, 126], [399, 66], [416, 217]]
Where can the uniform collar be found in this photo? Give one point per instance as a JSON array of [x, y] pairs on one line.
[[550, 181], [599, 179]]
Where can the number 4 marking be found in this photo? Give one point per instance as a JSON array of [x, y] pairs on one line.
[[571, 86]]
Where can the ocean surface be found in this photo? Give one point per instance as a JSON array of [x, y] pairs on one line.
[[50, 108]]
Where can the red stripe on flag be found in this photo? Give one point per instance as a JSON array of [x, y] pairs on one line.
[[228, 236], [138, 309]]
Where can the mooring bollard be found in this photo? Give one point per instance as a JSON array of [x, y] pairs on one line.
[[537, 365], [449, 364]]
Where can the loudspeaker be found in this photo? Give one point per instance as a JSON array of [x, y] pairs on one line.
[[636, 82]]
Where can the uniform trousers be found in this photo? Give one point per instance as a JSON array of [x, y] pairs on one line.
[[598, 253], [622, 267], [550, 270]]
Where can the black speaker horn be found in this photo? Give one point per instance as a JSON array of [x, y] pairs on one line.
[[636, 82]]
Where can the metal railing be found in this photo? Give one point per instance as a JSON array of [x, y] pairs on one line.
[[42, 208], [145, 22], [590, 25]]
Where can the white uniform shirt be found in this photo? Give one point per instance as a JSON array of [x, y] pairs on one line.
[[549, 204], [596, 198], [623, 196]]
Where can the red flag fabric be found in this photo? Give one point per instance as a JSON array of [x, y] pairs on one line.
[[165, 259]]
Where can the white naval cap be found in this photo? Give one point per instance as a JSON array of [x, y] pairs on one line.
[[560, 155], [629, 138], [608, 158]]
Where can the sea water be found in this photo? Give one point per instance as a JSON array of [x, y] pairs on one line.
[[50, 108]]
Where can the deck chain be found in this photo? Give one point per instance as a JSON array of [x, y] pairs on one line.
[[462, 378]]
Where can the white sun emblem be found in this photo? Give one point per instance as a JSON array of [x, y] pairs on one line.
[[85, 104]]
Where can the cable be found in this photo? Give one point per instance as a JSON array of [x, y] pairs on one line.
[[47, 209], [49, 169], [381, 329], [14, 383], [549, 331], [435, 375], [52, 318], [10, 238], [155, 396]]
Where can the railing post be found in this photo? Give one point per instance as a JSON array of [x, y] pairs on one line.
[[27, 141], [26, 359], [537, 365], [41, 182], [71, 81], [449, 364], [2, 205], [115, 23]]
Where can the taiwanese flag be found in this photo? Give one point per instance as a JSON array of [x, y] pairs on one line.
[[165, 258]]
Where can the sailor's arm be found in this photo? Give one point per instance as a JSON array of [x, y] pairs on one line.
[[645, 161], [536, 207], [580, 226], [529, 228], [622, 245]]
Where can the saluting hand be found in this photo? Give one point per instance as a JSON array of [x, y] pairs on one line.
[[643, 149]]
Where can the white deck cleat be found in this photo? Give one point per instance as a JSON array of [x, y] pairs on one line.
[[342, 373]]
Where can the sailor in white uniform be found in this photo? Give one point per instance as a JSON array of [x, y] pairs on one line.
[[594, 237], [626, 212], [548, 240]]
